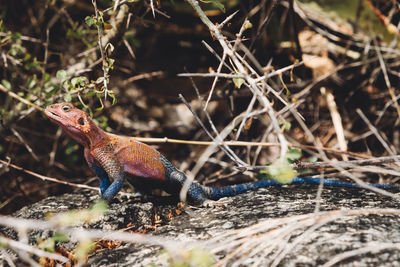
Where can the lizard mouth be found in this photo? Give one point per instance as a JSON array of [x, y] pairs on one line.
[[53, 116]]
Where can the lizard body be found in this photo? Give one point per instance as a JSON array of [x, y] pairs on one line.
[[123, 158]]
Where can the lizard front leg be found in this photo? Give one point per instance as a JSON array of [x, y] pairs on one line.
[[103, 177], [98, 170], [114, 188], [110, 167]]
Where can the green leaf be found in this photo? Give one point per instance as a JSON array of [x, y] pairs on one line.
[[33, 64], [74, 81], [101, 103], [100, 207], [102, 121], [84, 248], [109, 48], [79, 81], [27, 57], [312, 159], [219, 5], [16, 49], [286, 125], [247, 25], [6, 84], [32, 81], [293, 154], [114, 99], [2, 28], [66, 84], [215, 3], [90, 21], [74, 217], [90, 93], [67, 97], [99, 80], [281, 172], [201, 257], [16, 36], [60, 237], [47, 245], [46, 77], [238, 81], [61, 75], [110, 64], [191, 257]]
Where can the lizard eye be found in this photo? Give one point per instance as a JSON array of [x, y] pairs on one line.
[[81, 121], [66, 108]]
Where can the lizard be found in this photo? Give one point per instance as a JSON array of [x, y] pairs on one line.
[[123, 158]]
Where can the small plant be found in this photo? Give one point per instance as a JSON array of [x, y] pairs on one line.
[[280, 170], [190, 257]]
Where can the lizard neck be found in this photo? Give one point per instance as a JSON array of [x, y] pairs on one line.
[[89, 136], [94, 136]]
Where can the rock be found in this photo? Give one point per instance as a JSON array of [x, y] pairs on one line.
[[272, 210]]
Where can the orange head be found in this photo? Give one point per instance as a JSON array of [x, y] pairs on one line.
[[75, 122]]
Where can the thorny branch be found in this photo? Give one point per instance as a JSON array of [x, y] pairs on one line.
[[100, 37], [240, 64], [257, 85]]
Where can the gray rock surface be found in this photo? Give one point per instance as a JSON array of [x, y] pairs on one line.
[[345, 233]]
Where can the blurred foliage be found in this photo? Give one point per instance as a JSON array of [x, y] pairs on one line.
[[49, 77], [50, 53], [190, 257], [350, 13]]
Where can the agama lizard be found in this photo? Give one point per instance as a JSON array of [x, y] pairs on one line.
[[123, 158]]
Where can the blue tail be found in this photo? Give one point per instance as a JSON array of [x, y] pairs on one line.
[[328, 182], [216, 193]]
